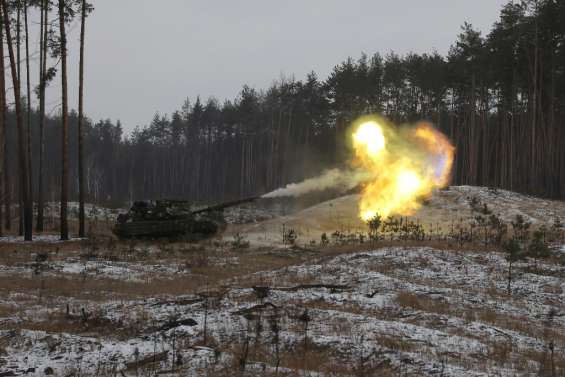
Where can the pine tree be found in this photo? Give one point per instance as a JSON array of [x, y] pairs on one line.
[[6, 188], [537, 249], [64, 225], [85, 8], [28, 112], [23, 164], [43, 78], [514, 254]]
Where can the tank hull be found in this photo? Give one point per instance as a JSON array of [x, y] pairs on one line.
[[167, 228], [172, 218]]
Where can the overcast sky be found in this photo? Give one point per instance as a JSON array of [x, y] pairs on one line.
[[145, 56]]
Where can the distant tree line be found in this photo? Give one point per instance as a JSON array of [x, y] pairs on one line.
[[499, 97]]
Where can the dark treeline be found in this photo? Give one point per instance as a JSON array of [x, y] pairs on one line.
[[499, 97]]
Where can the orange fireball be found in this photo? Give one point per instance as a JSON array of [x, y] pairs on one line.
[[406, 164]]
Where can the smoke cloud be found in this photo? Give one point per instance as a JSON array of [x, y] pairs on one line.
[[336, 179]]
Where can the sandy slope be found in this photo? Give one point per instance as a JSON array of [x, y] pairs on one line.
[[446, 207]]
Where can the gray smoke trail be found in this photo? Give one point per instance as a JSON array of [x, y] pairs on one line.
[[342, 180]]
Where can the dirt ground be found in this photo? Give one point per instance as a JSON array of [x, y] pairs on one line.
[[244, 305]]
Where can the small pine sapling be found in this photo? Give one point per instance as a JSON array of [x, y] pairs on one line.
[[557, 229], [537, 249], [275, 328], [324, 240], [520, 226], [239, 242], [374, 224], [514, 253], [498, 227], [361, 237], [291, 236], [305, 319]]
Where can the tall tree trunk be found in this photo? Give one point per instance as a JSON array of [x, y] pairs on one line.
[[64, 225], [19, 77], [3, 134], [28, 150], [21, 129], [6, 159], [42, 84], [81, 231], [532, 175]]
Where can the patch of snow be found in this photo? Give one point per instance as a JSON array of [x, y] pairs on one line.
[[44, 238]]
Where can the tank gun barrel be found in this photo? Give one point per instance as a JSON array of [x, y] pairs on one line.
[[221, 206]]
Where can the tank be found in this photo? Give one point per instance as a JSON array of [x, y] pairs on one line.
[[172, 218]]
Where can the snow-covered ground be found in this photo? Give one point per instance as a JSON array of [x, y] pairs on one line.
[[45, 238], [421, 311], [110, 308]]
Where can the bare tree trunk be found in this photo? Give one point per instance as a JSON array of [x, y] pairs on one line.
[[3, 135], [81, 231], [21, 129], [64, 225], [19, 77], [18, 40], [28, 151], [532, 180], [509, 278], [42, 84], [6, 160]]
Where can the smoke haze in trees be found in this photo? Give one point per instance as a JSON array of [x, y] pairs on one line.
[[341, 180]]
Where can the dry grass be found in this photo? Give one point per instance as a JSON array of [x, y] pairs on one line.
[[395, 343], [299, 359], [11, 253], [93, 323], [6, 310], [209, 266], [488, 316], [97, 290], [546, 363], [422, 302], [203, 272], [505, 321], [335, 250], [200, 261], [553, 289], [500, 352]]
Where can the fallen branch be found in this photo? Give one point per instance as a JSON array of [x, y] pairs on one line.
[[172, 324], [212, 294], [181, 302], [155, 358], [502, 332], [254, 309], [333, 287]]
